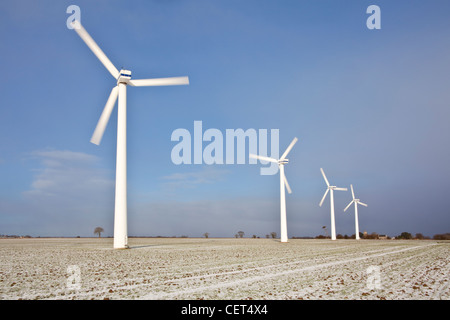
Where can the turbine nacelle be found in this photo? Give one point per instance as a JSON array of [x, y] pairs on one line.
[[283, 161], [124, 76]]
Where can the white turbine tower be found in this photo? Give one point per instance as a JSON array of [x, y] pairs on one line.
[[119, 92], [331, 189], [283, 184], [356, 202]]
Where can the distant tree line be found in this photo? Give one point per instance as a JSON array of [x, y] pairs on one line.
[[402, 236], [444, 236], [340, 236], [419, 236], [273, 235], [14, 236], [240, 234]]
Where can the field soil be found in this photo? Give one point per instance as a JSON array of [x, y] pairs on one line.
[[216, 269]]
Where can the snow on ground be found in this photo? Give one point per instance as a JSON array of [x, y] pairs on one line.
[[193, 268]]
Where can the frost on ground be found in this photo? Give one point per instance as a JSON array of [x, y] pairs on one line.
[[187, 268]]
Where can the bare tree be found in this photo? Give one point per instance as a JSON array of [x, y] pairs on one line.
[[98, 231], [326, 231]]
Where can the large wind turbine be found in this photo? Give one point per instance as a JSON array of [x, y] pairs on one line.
[[331, 189], [283, 184], [119, 92], [356, 202]]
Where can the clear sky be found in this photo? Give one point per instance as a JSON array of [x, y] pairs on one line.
[[371, 107]]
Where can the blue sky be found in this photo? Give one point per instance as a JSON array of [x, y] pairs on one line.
[[371, 107]]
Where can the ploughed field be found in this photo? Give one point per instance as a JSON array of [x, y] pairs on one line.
[[193, 268]]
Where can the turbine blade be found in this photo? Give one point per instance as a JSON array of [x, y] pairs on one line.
[[294, 141], [348, 206], [365, 205], [288, 188], [326, 180], [323, 198], [104, 118], [174, 81], [95, 48], [341, 189], [254, 156], [353, 194]]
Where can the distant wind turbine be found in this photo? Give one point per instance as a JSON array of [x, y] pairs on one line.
[[331, 189], [283, 184], [356, 202], [119, 92]]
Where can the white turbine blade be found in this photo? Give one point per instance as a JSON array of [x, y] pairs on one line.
[[365, 205], [254, 156], [348, 205], [288, 188], [323, 198], [289, 148], [173, 81], [341, 189], [104, 118], [95, 48], [326, 180], [353, 194]]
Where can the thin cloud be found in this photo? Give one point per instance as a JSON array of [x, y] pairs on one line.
[[69, 195], [67, 174], [192, 179]]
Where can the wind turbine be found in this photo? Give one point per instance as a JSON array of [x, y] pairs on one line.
[[283, 184], [331, 189], [356, 202], [119, 92]]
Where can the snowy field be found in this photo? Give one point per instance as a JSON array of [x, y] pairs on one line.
[[191, 268]]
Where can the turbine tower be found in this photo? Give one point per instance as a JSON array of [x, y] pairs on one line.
[[356, 202], [119, 92], [283, 185], [331, 189]]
